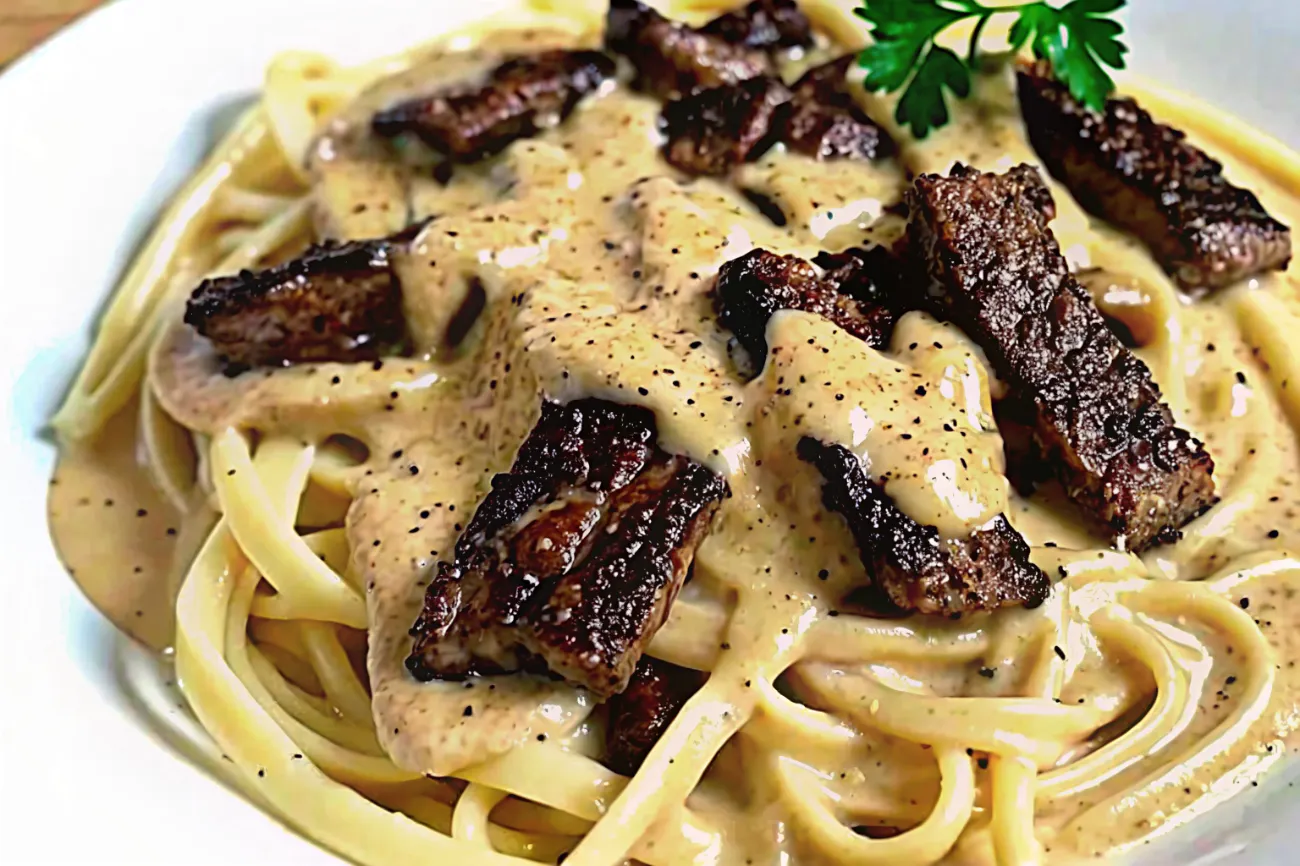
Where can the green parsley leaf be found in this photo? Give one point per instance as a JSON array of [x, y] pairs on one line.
[[1078, 39], [922, 105]]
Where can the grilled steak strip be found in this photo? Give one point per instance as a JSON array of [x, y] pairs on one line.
[[337, 302], [520, 98], [826, 122], [766, 24], [916, 568], [750, 289], [639, 716], [572, 560], [716, 129], [673, 60], [1146, 178], [1098, 416]]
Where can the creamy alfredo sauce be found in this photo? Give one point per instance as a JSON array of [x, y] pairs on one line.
[[595, 260]]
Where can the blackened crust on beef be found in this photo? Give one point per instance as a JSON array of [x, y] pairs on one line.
[[572, 560], [826, 122], [520, 98], [750, 289], [767, 24], [673, 60], [337, 302], [639, 716], [912, 564], [716, 129], [1097, 416], [1146, 178]]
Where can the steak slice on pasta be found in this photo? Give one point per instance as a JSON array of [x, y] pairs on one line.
[[1097, 416], [520, 98], [1145, 177], [336, 302], [639, 716], [915, 567], [673, 60], [572, 560], [845, 289]]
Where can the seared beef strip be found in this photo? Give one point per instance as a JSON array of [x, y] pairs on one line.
[[337, 302], [716, 129], [914, 566], [673, 60], [1146, 178], [1098, 416], [750, 289], [826, 122], [766, 24], [572, 560], [521, 97], [639, 716]]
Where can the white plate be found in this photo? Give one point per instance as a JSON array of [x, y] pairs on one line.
[[96, 129]]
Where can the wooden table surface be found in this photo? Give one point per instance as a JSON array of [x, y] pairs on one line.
[[26, 23]]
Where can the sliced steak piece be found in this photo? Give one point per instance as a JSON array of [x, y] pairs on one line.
[[716, 129], [338, 302], [826, 122], [766, 24], [1146, 178], [639, 716], [1098, 417], [750, 289], [673, 60], [520, 98], [572, 560], [916, 568]]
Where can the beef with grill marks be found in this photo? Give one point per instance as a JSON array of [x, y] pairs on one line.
[[337, 302], [674, 60], [750, 289], [520, 98], [1098, 417], [716, 129], [826, 122], [639, 716], [1146, 178], [767, 24], [912, 564], [572, 560]]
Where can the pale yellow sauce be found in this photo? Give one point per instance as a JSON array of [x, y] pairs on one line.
[[596, 260]]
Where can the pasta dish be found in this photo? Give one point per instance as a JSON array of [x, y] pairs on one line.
[[608, 435]]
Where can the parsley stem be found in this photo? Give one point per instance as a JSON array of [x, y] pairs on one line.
[[975, 38]]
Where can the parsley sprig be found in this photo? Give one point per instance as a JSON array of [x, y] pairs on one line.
[[1077, 38]]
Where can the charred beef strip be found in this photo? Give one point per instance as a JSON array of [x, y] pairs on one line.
[[826, 122], [716, 129], [338, 302], [672, 59], [1098, 417], [912, 564], [520, 98], [766, 24], [639, 716], [750, 289], [1146, 178], [572, 560]]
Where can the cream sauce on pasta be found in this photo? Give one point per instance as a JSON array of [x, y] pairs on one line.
[[596, 260]]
